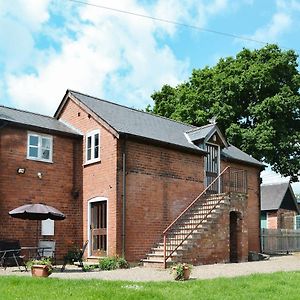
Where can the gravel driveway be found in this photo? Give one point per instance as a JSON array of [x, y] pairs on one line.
[[275, 264]]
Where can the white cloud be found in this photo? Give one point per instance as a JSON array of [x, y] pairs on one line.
[[288, 5], [270, 33], [108, 54], [30, 13]]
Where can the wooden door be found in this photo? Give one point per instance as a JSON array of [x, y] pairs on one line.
[[212, 167], [99, 228]]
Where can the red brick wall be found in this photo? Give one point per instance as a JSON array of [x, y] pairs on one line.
[[160, 183], [285, 219], [214, 244], [99, 179], [55, 188], [272, 220], [253, 210]]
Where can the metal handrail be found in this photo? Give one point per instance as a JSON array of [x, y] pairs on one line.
[[192, 204]]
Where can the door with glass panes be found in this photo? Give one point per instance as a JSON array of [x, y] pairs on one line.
[[212, 167], [99, 228]]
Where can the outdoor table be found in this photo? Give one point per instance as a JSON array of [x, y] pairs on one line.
[[34, 252], [11, 253]]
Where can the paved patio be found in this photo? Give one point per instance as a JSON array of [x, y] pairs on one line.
[[275, 264]]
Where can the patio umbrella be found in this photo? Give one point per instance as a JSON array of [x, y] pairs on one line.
[[37, 211]]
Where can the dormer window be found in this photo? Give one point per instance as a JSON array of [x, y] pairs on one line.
[[39, 147], [93, 146]]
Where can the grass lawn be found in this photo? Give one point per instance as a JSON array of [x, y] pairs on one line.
[[272, 286]]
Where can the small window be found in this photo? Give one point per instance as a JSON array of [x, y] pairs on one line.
[[297, 222], [93, 146], [263, 220], [39, 147]]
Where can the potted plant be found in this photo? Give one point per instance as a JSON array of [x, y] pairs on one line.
[[41, 267], [181, 271]]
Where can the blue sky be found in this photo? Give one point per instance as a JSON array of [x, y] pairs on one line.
[[48, 46]]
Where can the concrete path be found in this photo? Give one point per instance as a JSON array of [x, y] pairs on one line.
[[275, 264]]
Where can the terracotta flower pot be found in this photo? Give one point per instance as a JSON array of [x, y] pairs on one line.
[[40, 271], [186, 273], [181, 272]]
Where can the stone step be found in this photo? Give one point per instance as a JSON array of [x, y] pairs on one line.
[[154, 263], [205, 214], [93, 259], [160, 252]]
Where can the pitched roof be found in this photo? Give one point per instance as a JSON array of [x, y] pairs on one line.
[[142, 124], [33, 120], [138, 123], [275, 195], [200, 133], [234, 153], [204, 133]]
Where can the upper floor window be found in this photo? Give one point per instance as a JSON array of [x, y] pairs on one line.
[[93, 146], [39, 147]]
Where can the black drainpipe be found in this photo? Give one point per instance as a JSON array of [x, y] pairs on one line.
[[124, 195]]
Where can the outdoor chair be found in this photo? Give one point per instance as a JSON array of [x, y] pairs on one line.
[[10, 254], [79, 261], [47, 249]]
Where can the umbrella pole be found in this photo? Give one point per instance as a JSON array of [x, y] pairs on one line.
[[37, 233]]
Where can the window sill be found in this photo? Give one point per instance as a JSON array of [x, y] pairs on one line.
[[40, 160], [91, 162]]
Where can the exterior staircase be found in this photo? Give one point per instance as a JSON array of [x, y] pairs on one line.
[[196, 220], [207, 212]]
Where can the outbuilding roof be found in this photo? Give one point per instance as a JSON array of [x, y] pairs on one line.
[[234, 153], [149, 126], [33, 120], [138, 123], [278, 195]]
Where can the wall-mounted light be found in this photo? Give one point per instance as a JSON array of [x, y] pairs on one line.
[[40, 175], [21, 170]]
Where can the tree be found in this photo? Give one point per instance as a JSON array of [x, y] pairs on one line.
[[255, 97]]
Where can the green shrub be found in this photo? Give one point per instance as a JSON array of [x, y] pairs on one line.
[[122, 263], [87, 268], [73, 255], [112, 263]]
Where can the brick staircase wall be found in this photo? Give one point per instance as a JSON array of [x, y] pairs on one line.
[[214, 244], [211, 244]]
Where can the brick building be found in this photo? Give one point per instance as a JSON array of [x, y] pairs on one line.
[[122, 176], [279, 206]]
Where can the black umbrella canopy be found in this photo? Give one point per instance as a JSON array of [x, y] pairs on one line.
[[37, 211]]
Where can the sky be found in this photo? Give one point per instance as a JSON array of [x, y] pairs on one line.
[[49, 46]]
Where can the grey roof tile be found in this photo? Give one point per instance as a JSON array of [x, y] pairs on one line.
[[273, 194], [232, 152], [138, 123], [200, 133], [25, 118], [131, 121]]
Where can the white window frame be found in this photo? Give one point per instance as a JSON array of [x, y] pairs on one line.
[[92, 134], [295, 222], [39, 146]]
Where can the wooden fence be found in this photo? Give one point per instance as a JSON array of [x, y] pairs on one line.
[[280, 240]]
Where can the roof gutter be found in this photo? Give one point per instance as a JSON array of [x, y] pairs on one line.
[[41, 129]]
